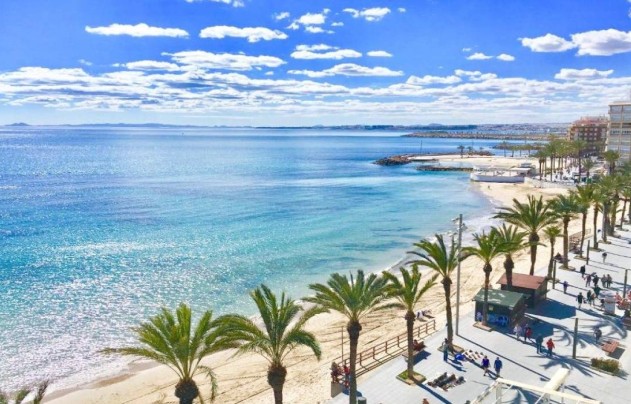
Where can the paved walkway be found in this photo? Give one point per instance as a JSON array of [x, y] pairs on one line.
[[554, 318]]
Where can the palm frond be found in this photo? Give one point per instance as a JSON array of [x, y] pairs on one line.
[[213, 382]]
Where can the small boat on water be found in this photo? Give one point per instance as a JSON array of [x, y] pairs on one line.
[[510, 175]]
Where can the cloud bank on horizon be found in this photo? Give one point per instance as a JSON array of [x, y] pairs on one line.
[[257, 62]]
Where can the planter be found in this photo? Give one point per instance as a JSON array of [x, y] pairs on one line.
[[418, 378]]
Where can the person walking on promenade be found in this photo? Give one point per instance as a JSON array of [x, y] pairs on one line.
[[497, 365], [597, 333], [590, 297], [446, 350], [579, 299], [595, 280], [604, 255], [588, 280], [550, 345], [528, 333], [485, 364], [517, 330], [582, 271], [603, 281], [539, 342], [565, 285], [609, 280]]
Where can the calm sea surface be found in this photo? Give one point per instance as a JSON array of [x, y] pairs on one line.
[[101, 227]]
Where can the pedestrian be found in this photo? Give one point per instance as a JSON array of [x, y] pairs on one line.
[[347, 375], [528, 333], [609, 280], [597, 333], [603, 281], [446, 350], [582, 271], [590, 297], [604, 255], [596, 292], [485, 364], [595, 280], [565, 285], [517, 330], [588, 280], [539, 341], [550, 345], [579, 299], [498, 366]]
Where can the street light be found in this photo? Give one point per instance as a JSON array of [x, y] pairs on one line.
[[458, 273]]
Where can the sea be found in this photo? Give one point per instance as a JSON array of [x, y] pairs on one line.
[[102, 226]]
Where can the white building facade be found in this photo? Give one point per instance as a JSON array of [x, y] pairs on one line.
[[619, 131]]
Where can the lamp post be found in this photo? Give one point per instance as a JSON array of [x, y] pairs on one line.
[[624, 290], [587, 258], [458, 273], [554, 275]]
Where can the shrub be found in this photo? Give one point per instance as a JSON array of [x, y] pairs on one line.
[[608, 365]]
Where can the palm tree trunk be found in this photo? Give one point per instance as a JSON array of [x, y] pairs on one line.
[[508, 267], [409, 320], [595, 227], [624, 207], [605, 227], [551, 264], [186, 391], [353, 328], [533, 239], [584, 223], [276, 375], [450, 327], [485, 307], [566, 242], [614, 211]]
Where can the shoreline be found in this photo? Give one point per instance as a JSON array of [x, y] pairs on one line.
[[145, 381]]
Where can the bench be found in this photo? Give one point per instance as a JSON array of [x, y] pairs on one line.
[[416, 354], [626, 321], [610, 346]]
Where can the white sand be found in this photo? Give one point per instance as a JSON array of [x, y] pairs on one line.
[[243, 379]]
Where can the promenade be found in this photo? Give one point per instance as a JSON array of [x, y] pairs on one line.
[[554, 318]]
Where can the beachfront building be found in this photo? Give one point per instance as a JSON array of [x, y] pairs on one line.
[[592, 130], [619, 133]]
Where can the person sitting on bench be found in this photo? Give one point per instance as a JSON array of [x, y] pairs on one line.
[[418, 346]]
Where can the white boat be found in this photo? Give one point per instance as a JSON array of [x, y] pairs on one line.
[[511, 176]]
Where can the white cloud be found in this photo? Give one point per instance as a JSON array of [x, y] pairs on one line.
[[349, 69], [337, 24], [401, 9], [466, 49], [138, 30], [419, 81], [227, 61], [581, 74], [253, 34], [602, 43], [312, 29], [270, 73], [234, 3], [547, 43], [379, 54], [369, 14], [323, 51], [479, 56], [85, 62], [474, 75], [150, 65], [506, 57], [311, 22], [281, 16]]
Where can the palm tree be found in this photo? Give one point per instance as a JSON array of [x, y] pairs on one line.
[[588, 165], [461, 148], [442, 260], [512, 240], [565, 207], [584, 196], [170, 339], [354, 298], [626, 194], [551, 232], [488, 248], [598, 201], [532, 216], [39, 391], [283, 331], [611, 156], [408, 293]]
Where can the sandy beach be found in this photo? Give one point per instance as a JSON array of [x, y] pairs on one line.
[[243, 379]]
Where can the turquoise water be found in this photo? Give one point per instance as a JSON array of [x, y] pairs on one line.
[[100, 227]]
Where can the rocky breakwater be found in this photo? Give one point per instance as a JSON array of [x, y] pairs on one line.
[[394, 160], [423, 167]]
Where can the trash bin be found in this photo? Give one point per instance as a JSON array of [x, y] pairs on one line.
[[610, 301], [361, 400]]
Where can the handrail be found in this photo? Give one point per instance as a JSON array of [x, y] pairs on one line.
[[369, 358]]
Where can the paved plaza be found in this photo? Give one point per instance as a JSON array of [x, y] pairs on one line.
[[553, 318]]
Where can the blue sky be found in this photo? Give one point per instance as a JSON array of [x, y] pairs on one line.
[[262, 62]]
